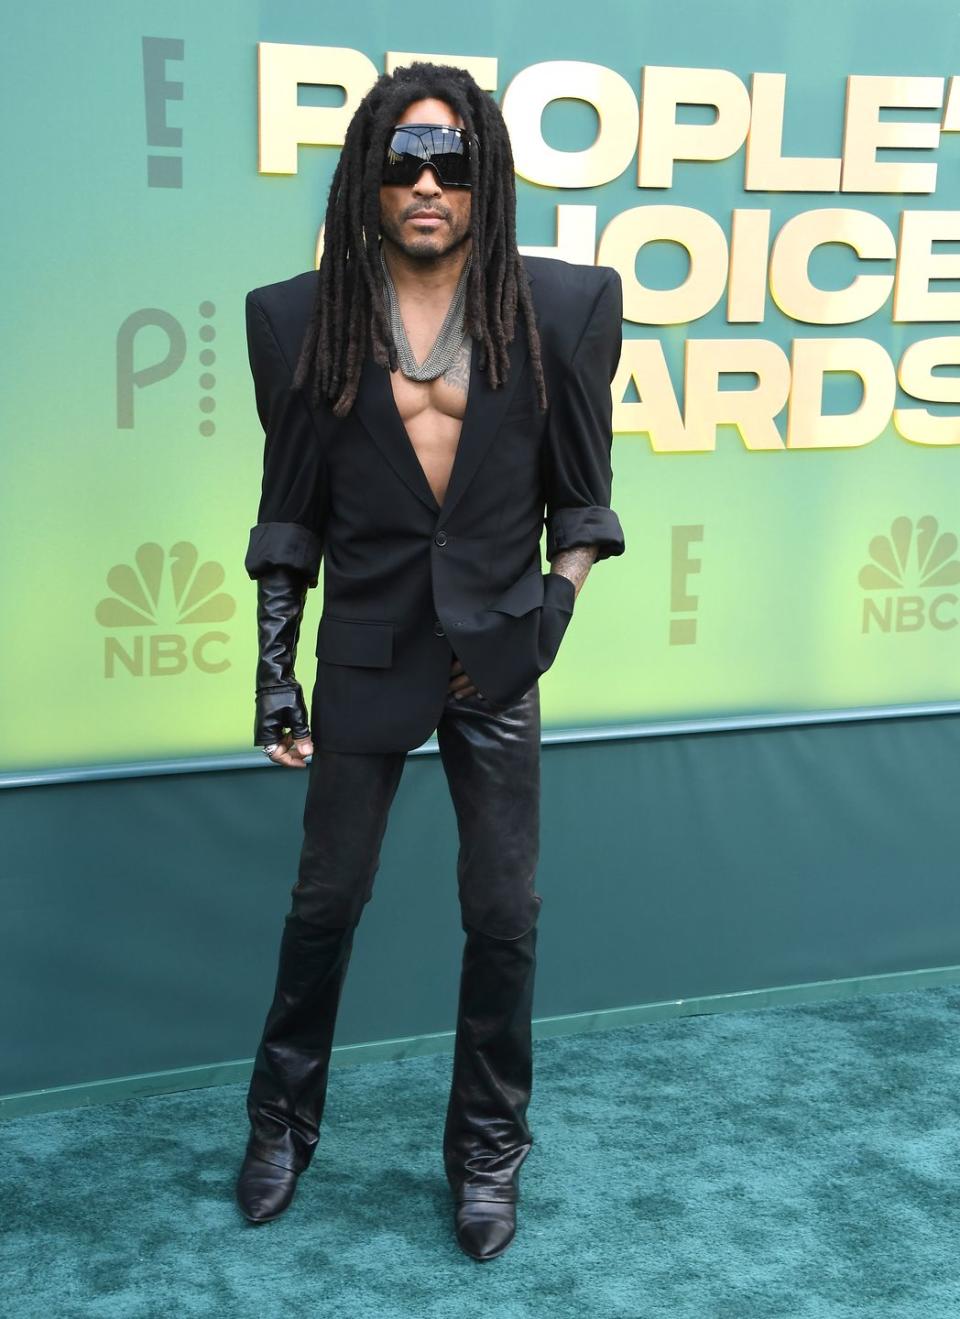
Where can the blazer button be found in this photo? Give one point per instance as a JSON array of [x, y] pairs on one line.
[[438, 629], [440, 538]]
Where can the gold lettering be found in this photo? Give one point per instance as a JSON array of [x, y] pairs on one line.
[[766, 168], [752, 411], [789, 278], [864, 132], [917, 379], [576, 236], [663, 140], [917, 265], [706, 245], [283, 123], [747, 284], [642, 362], [807, 427], [951, 110], [615, 102]]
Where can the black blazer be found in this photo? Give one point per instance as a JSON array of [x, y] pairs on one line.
[[404, 579]]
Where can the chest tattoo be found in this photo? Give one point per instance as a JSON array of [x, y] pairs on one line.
[[457, 373]]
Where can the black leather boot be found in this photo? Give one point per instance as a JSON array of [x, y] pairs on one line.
[[486, 1136], [264, 1190], [288, 1087]]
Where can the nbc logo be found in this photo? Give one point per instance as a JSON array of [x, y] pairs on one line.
[[160, 611], [913, 556]]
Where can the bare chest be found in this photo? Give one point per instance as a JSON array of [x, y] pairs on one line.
[[432, 413]]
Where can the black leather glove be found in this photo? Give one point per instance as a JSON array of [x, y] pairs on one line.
[[281, 595]]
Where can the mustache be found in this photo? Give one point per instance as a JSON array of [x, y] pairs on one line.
[[420, 209]]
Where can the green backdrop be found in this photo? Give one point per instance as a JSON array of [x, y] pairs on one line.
[[132, 447]]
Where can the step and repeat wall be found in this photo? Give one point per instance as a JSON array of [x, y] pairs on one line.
[[778, 189]]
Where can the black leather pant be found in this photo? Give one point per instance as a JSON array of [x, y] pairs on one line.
[[491, 757]]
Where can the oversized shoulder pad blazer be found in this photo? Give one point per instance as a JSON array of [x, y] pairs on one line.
[[404, 579]]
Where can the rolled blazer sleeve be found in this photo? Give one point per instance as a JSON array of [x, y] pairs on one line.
[[579, 434], [293, 497]]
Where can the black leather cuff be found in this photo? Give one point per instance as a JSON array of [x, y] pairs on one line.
[[281, 595]]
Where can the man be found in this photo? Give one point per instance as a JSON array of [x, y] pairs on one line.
[[415, 434]]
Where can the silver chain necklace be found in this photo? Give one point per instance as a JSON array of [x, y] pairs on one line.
[[450, 338]]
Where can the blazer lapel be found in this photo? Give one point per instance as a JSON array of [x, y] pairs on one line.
[[485, 411], [377, 410]]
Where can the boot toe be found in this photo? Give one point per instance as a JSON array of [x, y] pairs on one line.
[[485, 1228], [264, 1190]]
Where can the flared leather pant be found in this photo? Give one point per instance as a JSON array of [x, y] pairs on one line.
[[491, 758]]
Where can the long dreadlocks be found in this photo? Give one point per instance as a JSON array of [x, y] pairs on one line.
[[350, 309]]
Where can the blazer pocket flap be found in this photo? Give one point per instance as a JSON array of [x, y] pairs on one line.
[[525, 594], [352, 641]]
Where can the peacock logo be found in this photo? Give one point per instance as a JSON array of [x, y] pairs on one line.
[[157, 604], [914, 556]]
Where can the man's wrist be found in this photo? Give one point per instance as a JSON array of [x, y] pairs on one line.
[[574, 564]]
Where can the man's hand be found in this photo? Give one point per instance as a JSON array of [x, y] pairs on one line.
[[460, 684], [281, 720], [291, 751]]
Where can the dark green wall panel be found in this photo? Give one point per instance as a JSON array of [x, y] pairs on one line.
[[142, 915]]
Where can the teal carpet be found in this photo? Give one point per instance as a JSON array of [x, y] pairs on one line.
[[784, 1163]]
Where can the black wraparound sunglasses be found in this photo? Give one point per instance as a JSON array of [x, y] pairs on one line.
[[447, 149]]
